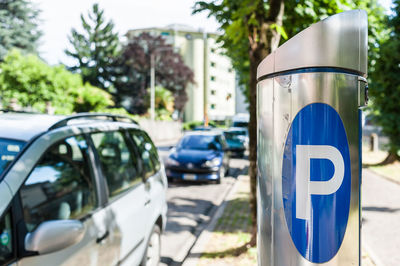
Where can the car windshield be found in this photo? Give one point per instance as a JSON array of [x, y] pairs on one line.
[[199, 142], [9, 149]]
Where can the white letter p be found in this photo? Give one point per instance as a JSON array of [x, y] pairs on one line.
[[304, 186]]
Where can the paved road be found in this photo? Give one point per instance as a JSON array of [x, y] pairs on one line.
[[381, 218], [190, 207]]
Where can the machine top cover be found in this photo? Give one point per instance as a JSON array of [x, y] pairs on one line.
[[339, 41]]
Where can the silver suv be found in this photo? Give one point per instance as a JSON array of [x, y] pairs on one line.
[[87, 189]]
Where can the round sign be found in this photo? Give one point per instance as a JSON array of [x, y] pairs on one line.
[[316, 182], [4, 238]]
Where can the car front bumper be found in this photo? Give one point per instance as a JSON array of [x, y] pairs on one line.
[[192, 176]]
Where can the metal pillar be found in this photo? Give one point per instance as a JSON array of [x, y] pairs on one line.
[[310, 91]]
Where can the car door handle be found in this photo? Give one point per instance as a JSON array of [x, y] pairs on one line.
[[147, 202], [100, 239]]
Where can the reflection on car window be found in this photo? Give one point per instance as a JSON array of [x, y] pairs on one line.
[[9, 149], [6, 248], [60, 186], [118, 163], [200, 142], [148, 152]]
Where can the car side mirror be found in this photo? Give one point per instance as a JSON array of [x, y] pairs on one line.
[[51, 236]]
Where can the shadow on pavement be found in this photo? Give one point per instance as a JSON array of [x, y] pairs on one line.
[[380, 209], [183, 210]]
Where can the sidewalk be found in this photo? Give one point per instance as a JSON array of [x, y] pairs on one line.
[[229, 230], [381, 218]]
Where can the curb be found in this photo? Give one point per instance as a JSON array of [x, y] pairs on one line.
[[198, 246]]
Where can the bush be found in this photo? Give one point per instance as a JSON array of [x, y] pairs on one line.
[[32, 83], [192, 124]]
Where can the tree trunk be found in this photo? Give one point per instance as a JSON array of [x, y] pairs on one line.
[[262, 43], [253, 147], [391, 158]]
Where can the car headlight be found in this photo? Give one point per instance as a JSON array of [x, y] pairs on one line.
[[172, 162], [212, 163]]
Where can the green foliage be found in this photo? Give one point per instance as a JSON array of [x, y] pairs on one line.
[[95, 49], [164, 103], [18, 26], [385, 85], [88, 98], [33, 83], [298, 16], [307, 12], [192, 124]]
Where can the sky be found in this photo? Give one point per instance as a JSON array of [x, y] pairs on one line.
[[58, 17]]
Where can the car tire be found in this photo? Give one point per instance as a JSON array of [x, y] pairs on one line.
[[151, 255]]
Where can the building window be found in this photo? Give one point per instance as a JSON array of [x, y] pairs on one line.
[[212, 50], [213, 106], [213, 64], [213, 92], [230, 70], [212, 78]]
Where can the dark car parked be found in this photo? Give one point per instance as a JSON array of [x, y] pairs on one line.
[[236, 140], [199, 156]]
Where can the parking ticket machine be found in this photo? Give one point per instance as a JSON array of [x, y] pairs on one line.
[[310, 91]]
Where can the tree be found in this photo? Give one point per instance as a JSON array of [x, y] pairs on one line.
[[18, 26], [385, 86], [32, 83], [164, 103], [253, 29], [134, 72], [95, 49]]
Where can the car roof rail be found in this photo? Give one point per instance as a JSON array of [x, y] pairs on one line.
[[112, 117], [18, 111]]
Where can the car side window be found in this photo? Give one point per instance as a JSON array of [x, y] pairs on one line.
[[6, 241], [118, 163], [147, 151], [222, 141], [60, 186]]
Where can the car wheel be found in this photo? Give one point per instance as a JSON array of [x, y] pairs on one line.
[[152, 254]]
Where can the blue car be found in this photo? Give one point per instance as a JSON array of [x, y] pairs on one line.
[[199, 156]]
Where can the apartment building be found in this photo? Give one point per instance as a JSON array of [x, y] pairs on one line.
[[214, 91]]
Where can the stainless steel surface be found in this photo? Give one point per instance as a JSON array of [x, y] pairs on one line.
[[279, 100], [53, 236], [362, 92], [339, 41]]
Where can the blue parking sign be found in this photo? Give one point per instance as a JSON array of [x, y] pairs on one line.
[[316, 182]]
